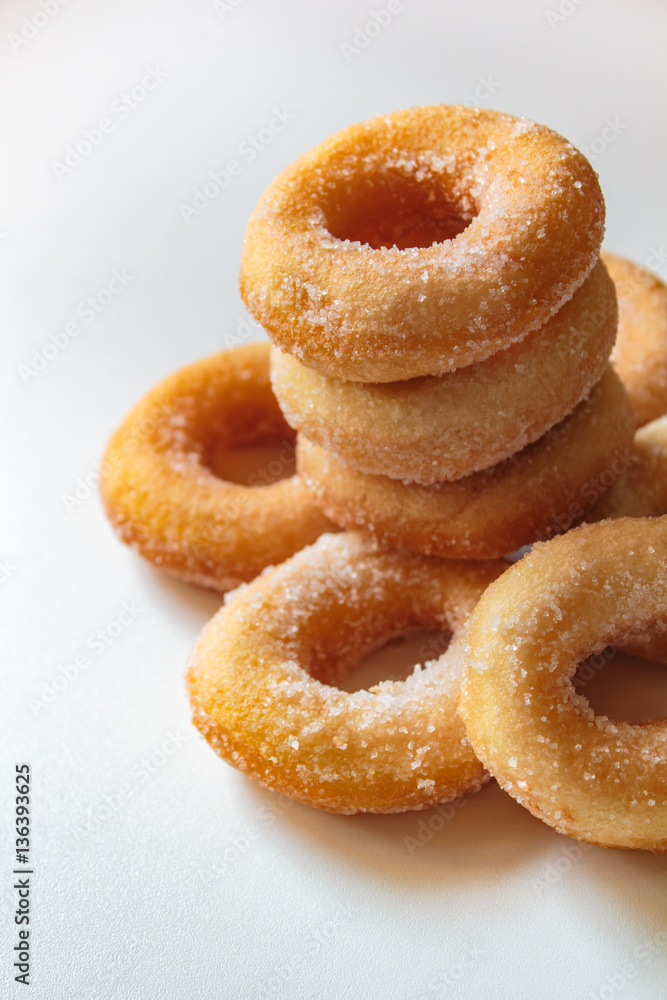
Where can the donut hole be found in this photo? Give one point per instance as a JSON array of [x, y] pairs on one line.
[[393, 209], [623, 687], [396, 659], [254, 463]]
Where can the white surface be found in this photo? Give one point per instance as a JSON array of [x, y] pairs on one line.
[[307, 905]]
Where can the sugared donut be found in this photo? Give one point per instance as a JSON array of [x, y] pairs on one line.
[[261, 675], [492, 512], [641, 491], [649, 643], [598, 779], [444, 427], [420, 241], [162, 497], [640, 354]]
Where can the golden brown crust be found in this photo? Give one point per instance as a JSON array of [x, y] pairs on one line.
[[419, 242], [260, 678], [600, 780], [163, 499], [492, 512], [445, 427], [640, 354], [648, 644], [642, 490]]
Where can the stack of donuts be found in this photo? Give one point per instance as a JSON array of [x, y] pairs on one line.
[[442, 323]]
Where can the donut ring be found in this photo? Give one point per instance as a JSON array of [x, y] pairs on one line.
[[640, 354], [641, 491], [593, 778], [163, 499], [444, 427], [259, 679], [492, 512], [418, 242], [648, 644]]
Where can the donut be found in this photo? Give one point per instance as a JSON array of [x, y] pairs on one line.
[[262, 678], [648, 644], [419, 242], [640, 354], [444, 427], [163, 498], [641, 491], [492, 512], [600, 780]]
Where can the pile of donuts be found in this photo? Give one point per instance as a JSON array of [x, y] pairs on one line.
[[452, 370]]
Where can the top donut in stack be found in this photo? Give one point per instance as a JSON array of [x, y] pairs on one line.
[[442, 324]]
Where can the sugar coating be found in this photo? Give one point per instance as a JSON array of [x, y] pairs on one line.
[[445, 427], [416, 243], [641, 490], [595, 778], [165, 502], [490, 512], [262, 678], [640, 354]]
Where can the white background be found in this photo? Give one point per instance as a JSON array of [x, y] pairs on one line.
[[189, 888]]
